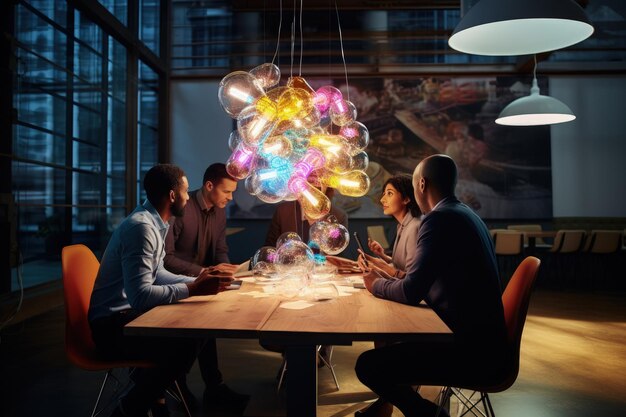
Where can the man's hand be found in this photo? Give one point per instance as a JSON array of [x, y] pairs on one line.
[[207, 283], [375, 264], [368, 280], [221, 269]]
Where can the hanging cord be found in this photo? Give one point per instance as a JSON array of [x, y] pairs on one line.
[[301, 41], [293, 37], [343, 56], [280, 25]]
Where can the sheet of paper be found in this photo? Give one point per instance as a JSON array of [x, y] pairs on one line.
[[296, 305]]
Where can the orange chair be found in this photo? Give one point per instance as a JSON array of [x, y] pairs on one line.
[[80, 267], [515, 300]]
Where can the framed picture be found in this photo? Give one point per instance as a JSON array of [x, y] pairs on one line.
[[504, 172]]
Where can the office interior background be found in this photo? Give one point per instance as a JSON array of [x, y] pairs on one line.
[[94, 93]]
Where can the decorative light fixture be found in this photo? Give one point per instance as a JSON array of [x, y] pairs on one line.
[[520, 27], [290, 136], [535, 109]]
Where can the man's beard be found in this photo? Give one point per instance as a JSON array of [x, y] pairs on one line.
[[177, 211]]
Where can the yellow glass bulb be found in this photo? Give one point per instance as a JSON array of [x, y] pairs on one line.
[[266, 107], [352, 184], [277, 146], [314, 203], [330, 143], [294, 103]]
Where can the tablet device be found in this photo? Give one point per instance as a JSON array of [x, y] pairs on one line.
[[234, 285], [358, 242]]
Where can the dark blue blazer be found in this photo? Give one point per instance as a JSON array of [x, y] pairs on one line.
[[455, 273]]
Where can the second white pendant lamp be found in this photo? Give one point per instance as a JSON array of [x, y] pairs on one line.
[[520, 27], [535, 109]]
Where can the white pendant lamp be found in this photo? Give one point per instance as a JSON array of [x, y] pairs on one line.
[[535, 109], [520, 27]]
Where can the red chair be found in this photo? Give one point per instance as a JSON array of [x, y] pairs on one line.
[[80, 268], [515, 300]]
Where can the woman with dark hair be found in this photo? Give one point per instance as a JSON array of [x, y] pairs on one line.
[[398, 200]]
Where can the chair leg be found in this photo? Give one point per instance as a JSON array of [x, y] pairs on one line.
[[327, 363], [282, 374], [444, 397], [182, 398], [472, 405], [104, 382], [488, 401]]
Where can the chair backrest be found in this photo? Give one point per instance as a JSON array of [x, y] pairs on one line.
[[527, 228], [515, 300], [604, 241], [572, 241], [80, 267], [508, 242], [377, 233]]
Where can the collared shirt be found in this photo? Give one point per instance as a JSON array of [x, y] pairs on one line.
[[204, 229], [196, 239], [131, 273]]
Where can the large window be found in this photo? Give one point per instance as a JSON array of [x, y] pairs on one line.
[[84, 115]]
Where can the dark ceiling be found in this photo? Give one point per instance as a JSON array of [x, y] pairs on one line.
[[396, 38]]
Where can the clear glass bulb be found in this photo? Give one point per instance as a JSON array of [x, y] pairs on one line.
[[255, 123], [237, 91]]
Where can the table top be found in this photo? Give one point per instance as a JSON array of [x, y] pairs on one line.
[[235, 314]]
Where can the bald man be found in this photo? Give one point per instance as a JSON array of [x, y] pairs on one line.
[[456, 274]]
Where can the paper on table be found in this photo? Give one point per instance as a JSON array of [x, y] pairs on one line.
[[242, 270], [296, 305], [256, 294]]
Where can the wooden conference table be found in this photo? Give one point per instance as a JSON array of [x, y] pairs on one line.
[[340, 321]]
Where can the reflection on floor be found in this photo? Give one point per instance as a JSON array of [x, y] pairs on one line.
[[573, 365]]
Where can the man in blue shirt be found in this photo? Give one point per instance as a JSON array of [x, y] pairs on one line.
[[456, 274], [132, 280]]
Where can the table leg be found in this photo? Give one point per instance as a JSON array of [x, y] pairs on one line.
[[301, 380]]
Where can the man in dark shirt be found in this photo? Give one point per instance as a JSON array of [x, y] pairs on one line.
[[456, 274], [288, 217], [196, 243], [197, 240]]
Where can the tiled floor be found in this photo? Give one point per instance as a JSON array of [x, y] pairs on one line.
[[573, 364]]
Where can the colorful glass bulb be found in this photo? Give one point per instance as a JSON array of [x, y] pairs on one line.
[[240, 163], [315, 204], [356, 134], [352, 184]]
